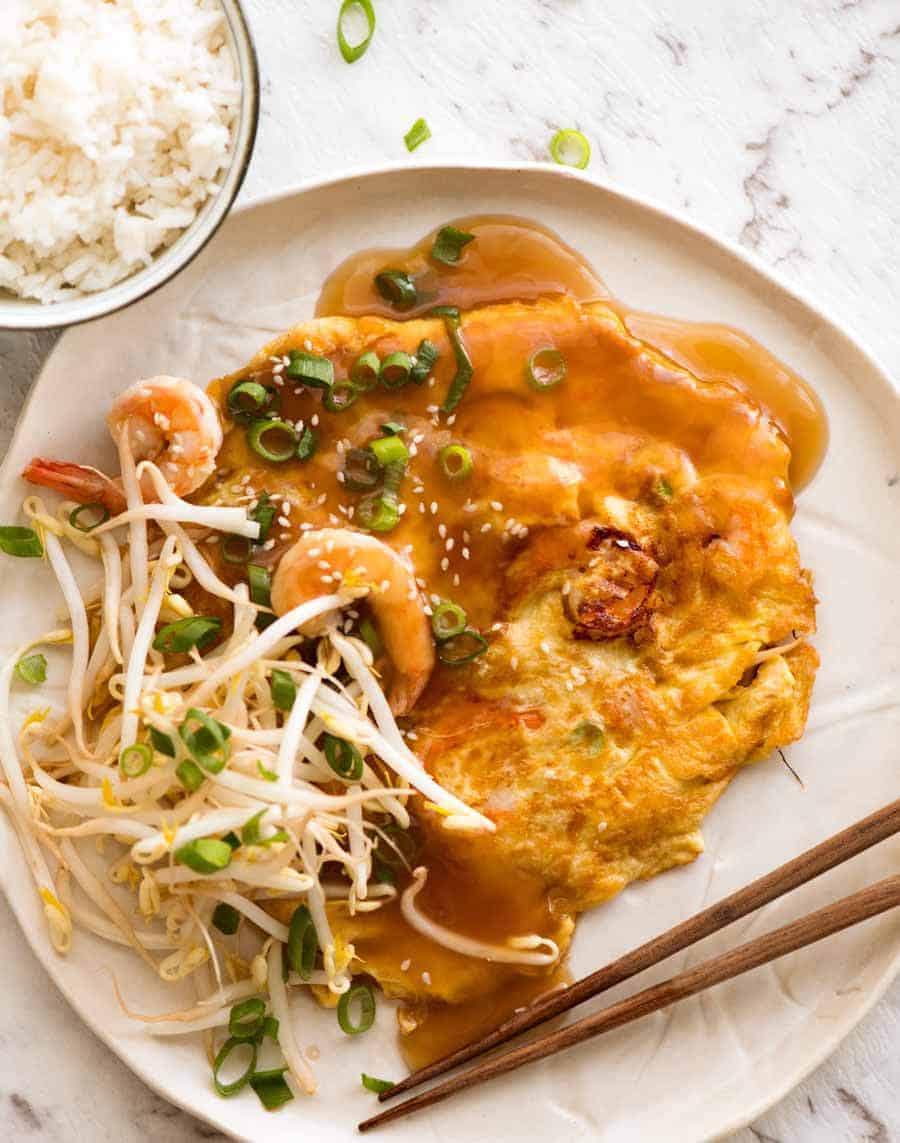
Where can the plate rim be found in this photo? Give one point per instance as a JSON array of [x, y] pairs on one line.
[[613, 190]]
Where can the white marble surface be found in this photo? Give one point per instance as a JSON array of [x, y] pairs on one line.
[[775, 124]]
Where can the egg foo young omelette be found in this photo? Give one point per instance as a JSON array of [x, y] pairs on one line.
[[445, 618]]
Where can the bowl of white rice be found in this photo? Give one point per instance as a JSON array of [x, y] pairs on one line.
[[126, 129]]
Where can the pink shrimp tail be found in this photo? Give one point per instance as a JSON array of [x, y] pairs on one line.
[[77, 481]]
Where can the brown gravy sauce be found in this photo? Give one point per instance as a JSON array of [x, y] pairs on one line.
[[516, 260]]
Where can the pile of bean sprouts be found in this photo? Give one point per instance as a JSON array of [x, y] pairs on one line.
[[304, 833]]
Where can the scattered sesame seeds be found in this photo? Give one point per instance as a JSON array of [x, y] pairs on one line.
[[427, 610]]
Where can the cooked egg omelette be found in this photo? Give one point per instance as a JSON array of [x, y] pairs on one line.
[[617, 532]]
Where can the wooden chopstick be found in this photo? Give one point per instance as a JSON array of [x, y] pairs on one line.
[[814, 927], [837, 849]]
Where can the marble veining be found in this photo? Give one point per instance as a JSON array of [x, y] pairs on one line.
[[776, 125]]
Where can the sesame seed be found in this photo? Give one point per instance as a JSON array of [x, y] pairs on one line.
[[466, 537], [451, 419], [268, 545], [427, 610], [341, 478], [545, 646], [450, 544], [432, 408], [497, 505], [486, 527], [332, 519], [422, 507], [307, 344], [385, 584], [432, 381], [321, 499], [465, 553], [456, 579], [445, 563], [570, 686], [442, 531], [326, 578], [306, 527], [514, 662], [426, 978], [404, 965], [314, 419], [434, 507], [284, 521]]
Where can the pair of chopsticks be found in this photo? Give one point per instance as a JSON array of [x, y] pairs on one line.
[[859, 906]]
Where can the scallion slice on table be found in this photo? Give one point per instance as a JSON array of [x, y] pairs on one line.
[[87, 517], [571, 149], [195, 631], [274, 440], [354, 51], [22, 542], [272, 1088], [241, 1080], [32, 669], [398, 288], [455, 461], [418, 134], [372, 1083], [448, 245], [356, 1009], [546, 368]]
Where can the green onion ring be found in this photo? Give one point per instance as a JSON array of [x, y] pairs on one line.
[[75, 516], [311, 369], [275, 453], [245, 1021], [448, 620], [162, 743], [570, 149], [263, 514], [248, 399], [226, 919], [343, 758], [455, 461], [364, 372], [209, 744], [377, 514], [190, 775], [546, 368], [362, 995], [135, 760], [398, 288], [361, 469], [302, 944], [205, 855], [353, 52], [340, 396], [235, 549], [180, 636], [395, 370], [389, 450], [462, 648], [22, 542], [229, 1089]]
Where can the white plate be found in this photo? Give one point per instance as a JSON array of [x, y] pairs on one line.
[[714, 1062]]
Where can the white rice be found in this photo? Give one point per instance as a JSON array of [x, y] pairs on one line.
[[116, 119]]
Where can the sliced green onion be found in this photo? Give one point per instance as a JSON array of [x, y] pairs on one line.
[[393, 477], [208, 743], [229, 1089], [546, 368], [571, 149], [268, 775], [426, 356], [395, 849], [308, 445], [283, 689], [364, 373], [343, 758], [100, 511], [353, 52], [245, 1021], [389, 450], [451, 312], [260, 580], [190, 775], [448, 620], [393, 428], [251, 834], [23, 542], [272, 1088], [419, 133], [232, 839], [264, 514], [311, 369], [195, 631], [398, 288], [455, 461], [589, 735], [235, 549], [302, 944], [372, 1083], [226, 918], [449, 243], [464, 367], [270, 1027], [162, 743], [274, 440], [32, 669], [663, 489], [462, 648], [248, 400], [362, 998], [205, 855], [361, 469], [369, 635], [340, 396], [395, 370], [135, 760], [377, 514]]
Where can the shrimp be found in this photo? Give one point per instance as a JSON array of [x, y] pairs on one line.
[[362, 562], [164, 419]]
